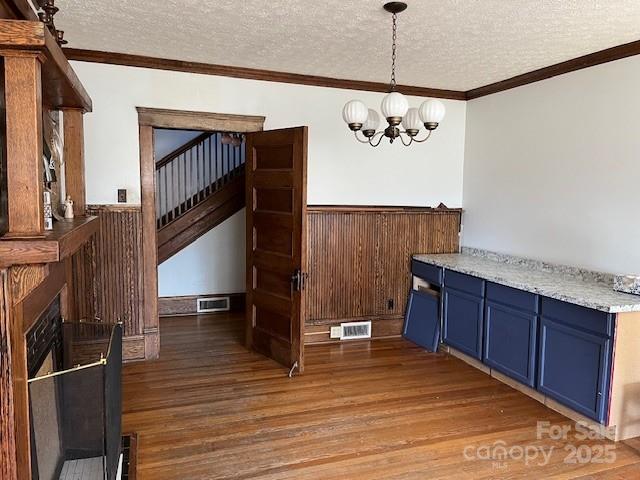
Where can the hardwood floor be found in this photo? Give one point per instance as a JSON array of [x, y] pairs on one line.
[[208, 408]]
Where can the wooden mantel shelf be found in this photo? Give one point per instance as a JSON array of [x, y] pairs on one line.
[[57, 244], [61, 87]]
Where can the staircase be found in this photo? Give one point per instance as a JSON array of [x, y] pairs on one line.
[[198, 186]]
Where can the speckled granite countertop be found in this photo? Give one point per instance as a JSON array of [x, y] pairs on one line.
[[581, 287]]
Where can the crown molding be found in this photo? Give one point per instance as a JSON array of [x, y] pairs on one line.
[[113, 58], [586, 61]]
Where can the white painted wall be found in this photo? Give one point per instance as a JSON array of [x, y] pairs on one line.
[[552, 169], [340, 170], [166, 141], [214, 263]]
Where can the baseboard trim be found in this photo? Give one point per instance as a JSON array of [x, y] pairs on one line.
[[187, 304], [133, 348], [318, 331]]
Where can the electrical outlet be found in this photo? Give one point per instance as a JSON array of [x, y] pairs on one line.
[[336, 332], [390, 304], [122, 195]]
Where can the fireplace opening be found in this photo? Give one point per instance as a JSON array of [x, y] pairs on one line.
[[75, 412], [44, 342]]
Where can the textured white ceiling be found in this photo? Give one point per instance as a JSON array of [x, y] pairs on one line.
[[452, 44]]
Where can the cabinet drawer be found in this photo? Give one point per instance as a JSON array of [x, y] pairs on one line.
[[510, 341], [463, 282], [463, 322], [512, 297], [574, 368], [430, 273], [577, 316], [422, 320]]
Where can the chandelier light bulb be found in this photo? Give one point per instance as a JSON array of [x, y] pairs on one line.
[[355, 113], [394, 106], [431, 113], [372, 123], [411, 122]]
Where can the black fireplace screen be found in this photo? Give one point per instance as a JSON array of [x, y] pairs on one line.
[[76, 419]]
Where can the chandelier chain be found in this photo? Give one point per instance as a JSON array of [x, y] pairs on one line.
[[393, 53]]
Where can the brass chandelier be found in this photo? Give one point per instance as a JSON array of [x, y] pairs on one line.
[[394, 107]]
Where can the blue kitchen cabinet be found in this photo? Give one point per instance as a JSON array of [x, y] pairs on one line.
[[429, 273], [510, 341], [562, 349], [463, 321], [575, 357], [422, 320], [510, 332]]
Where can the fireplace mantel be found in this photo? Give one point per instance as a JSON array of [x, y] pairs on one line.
[[54, 246], [35, 265]]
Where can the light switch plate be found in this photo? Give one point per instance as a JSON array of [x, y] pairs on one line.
[[336, 332]]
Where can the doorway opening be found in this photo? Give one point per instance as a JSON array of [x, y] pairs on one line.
[[148, 120], [193, 189], [200, 220]]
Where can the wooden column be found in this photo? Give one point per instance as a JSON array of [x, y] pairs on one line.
[[149, 244], [8, 457], [23, 98], [14, 394], [74, 158], [73, 124]]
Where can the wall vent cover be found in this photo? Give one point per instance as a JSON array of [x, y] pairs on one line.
[[354, 330], [213, 304]]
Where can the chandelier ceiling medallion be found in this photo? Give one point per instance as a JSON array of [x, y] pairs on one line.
[[394, 107]]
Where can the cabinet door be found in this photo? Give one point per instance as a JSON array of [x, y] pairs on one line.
[[574, 368], [463, 321], [510, 341], [422, 320]]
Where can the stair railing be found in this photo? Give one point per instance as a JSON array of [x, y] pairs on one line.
[[192, 172]]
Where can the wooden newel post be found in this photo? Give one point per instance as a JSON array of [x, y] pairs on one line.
[[23, 100]]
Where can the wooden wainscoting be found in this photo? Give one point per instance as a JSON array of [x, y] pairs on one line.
[[359, 263], [107, 275]]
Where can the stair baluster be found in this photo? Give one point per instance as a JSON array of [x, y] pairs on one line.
[[190, 174]]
